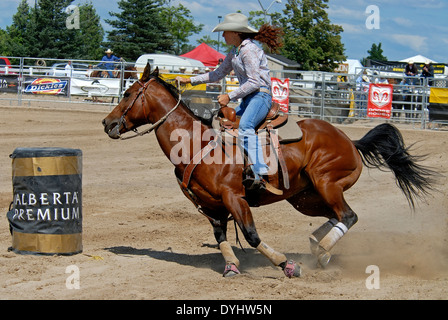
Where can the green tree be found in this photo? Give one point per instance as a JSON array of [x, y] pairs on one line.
[[5, 41], [376, 53], [180, 25], [53, 39], [42, 31], [90, 36], [221, 45], [309, 37], [138, 29], [257, 18], [21, 31]]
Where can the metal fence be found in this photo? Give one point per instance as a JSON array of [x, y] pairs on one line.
[[339, 98], [334, 97], [36, 79]]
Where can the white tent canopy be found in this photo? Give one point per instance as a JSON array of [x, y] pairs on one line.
[[354, 66], [418, 59]]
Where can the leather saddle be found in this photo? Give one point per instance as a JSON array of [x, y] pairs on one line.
[[274, 119]]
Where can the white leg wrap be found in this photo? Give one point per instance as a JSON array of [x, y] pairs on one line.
[[227, 253], [319, 233], [275, 257], [333, 236]]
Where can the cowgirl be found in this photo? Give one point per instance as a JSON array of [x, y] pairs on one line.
[[249, 63]]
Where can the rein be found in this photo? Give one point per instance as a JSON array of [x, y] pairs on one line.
[[154, 125]]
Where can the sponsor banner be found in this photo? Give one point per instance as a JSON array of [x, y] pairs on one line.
[[280, 93], [380, 101], [52, 86], [397, 66], [97, 87], [9, 83], [438, 95], [438, 104]]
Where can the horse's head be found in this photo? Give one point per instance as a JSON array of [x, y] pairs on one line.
[[130, 113]]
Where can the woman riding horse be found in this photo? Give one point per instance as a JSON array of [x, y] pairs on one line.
[[321, 166], [249, 63]]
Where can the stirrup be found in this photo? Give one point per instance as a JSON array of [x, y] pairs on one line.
[[259, 185], [252, 184]]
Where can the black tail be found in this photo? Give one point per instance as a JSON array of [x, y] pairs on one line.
[[383, 146]]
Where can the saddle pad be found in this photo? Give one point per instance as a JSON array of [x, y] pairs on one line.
[[290, 132]]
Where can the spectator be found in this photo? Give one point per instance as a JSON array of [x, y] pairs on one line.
[[428, 71], [89, 71], [410, 71], [108, 62], [68, 69], [378, 79], [362, 92]]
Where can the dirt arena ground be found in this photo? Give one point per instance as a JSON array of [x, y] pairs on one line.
[[142, 239]]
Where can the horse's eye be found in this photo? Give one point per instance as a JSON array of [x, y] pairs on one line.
[[126, 94]]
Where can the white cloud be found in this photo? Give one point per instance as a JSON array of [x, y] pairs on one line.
[[403, 22], [353, 28], [415, 42], [346, 13]]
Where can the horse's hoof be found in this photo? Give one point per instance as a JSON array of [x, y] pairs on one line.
[[323, 259], [291, 269], [230, 270]]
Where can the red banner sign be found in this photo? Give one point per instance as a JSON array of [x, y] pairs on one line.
[[280, 93], [380, 101]]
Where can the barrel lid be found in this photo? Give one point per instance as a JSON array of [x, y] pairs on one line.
[[44, 152]]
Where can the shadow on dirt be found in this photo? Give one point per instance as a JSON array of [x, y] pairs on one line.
[[249, 258]]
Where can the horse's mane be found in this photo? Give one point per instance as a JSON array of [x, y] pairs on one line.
[[168, 86], [175, 93]]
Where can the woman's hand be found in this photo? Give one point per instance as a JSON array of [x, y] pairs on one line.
[[223, 100], [183, 80]]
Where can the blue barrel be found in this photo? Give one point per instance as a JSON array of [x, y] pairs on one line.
[[45, 216]]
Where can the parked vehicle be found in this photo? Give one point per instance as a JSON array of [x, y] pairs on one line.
[[79, 70], [169, 63], [5, 65]]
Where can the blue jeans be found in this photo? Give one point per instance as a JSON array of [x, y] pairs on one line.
[[253, 110]]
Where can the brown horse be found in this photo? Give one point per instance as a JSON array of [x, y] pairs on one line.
[[96, 73], [321, 166], [130, 72]]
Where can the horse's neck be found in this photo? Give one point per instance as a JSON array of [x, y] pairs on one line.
[[180, 136]]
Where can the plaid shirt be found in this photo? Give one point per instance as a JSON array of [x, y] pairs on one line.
[[251, 68]]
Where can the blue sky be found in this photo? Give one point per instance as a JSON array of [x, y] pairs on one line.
[[406, 28]]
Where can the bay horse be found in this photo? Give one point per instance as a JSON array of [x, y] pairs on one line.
[[321, 166], [130, 72]]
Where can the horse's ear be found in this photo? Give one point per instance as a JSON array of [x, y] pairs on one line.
[[146, 73], [155, 73]]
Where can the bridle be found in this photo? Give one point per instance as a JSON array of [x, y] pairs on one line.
[[140, 92]]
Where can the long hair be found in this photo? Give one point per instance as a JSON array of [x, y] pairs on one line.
[[269, 35]]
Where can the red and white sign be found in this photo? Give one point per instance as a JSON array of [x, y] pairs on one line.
[[280, 93], [380, 101]]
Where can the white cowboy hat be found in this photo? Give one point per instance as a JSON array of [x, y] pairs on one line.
[[108, 51], [235, 22]]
